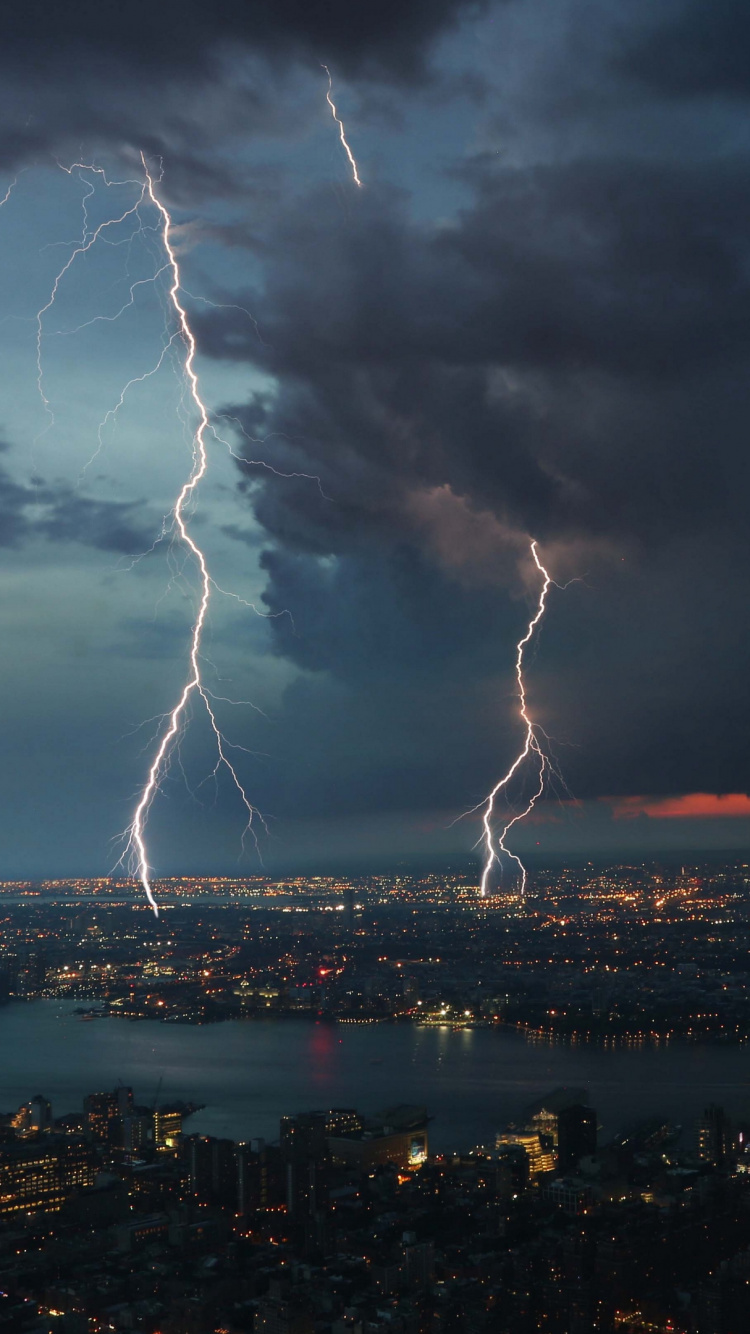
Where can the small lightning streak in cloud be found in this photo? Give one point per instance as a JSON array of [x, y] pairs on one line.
[[495, 845], [342, 134], [10, 189], [88, 241], [175, 721]]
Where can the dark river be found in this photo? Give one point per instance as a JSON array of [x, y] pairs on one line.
[[250, 1073]]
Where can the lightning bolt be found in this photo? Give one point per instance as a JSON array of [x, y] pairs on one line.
[[342, 134], [172, 724], [170, 731], [10, 189], [532, 750], [175, 721]]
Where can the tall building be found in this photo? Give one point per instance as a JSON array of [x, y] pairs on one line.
[[34, 1117], [213, 1171], [167, 1127], [39, 1176], [540, 1157], [576, 1136], [105, 1112], [238, 1178], [137, 1133], [714, 1136], [304, 1138], [512, 1171]]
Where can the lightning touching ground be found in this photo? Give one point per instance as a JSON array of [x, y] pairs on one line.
[[136, 841], [495, 846]]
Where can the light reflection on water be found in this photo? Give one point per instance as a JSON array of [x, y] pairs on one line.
[[248, 1073]]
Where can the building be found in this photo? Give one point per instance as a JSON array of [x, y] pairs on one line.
[[511, 1171], [105, 1112], [34, 1117], [419, 1265], [39, 1176], [142, 1231], [540, 1157], [576, 1136], [573, 1197], [137, 1133], [213, 1171], [396, 1135], [304, 1138], [714, 1136], [282, 1317], [167, 1127], [543, 1116]]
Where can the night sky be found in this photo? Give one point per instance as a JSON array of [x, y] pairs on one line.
[[532, 320]]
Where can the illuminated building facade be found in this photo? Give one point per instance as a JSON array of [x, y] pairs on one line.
[[167, 1127], [541, 1159], [397, 1135], [105, 1112], [39, 1176]]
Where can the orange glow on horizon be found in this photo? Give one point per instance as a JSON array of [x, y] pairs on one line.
[[688, 806]]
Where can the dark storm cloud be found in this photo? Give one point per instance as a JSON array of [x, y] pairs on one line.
[[699, 50], [59, 514], [390, 37], [13, 500], [569, 358], [558, 356]]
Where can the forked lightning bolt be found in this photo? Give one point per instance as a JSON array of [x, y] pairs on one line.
[[171, 724], [194, 684], [495, 845]]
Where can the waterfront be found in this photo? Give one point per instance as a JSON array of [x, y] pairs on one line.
[[250, 1073]]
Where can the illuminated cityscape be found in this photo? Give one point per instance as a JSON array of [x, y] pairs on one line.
[[374, 709], [630, 953], [350, 1218]]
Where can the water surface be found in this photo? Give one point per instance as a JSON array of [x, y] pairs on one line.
[[249, 1073]]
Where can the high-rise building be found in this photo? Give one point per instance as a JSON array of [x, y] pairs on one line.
[[40, 1175], [512, 1171], [213, 1173], [576, 1136], [167, 1127], [105, 1112], [304, 1138], [137, 1133], [714, 1136], [34, 1117], [540, 1157]]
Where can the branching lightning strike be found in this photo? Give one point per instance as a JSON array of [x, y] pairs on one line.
[[495, 846], [172, 724], [136, 843]]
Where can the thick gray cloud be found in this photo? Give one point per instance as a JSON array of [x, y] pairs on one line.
[[564, 353], [60, 514], [568, 359], [391, 37], [698, 50]]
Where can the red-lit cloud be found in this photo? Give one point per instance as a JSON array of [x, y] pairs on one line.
[[689, 806]]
